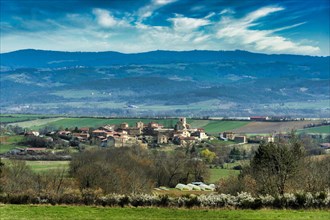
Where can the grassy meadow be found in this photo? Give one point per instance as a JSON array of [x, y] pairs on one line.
[[9, 142], [319, 130], [47, 166], [91, 212], [8, 118], [217, 173], [43, 166]]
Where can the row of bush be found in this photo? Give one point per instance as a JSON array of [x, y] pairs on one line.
[[241, 200]]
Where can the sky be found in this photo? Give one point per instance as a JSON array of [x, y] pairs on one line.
[[131, 26]]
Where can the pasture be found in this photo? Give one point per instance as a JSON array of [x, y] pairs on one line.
[[9, 142], [47, 166], [35, 212], [7, 118], [319, 130], [217, 173], [43, 166]]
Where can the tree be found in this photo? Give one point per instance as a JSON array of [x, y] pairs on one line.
[[208, 155], [235, 154], [275, 164], [1, 168], [118, 170]]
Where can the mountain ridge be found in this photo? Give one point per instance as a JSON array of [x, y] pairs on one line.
[[32, 58], [172, 83]]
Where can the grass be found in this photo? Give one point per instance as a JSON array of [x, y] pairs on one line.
[[9, 142], [7, 118], [321, 129], [217, 173], [43, 166], [36, 123], [215, 127], [46, 166], [88, 212]]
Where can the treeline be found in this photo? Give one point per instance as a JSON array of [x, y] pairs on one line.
[[279, 175], [281, 167], [116, 170]]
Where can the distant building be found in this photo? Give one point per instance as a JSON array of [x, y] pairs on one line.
[[32, 133], [228, 135], [65, 133], [139, 124], [182, 124], [240, 139], [99, 133], [200, 134], [108, 128], [162, 139], [84, 129], [134, 131], [259, 118], [124, 125]]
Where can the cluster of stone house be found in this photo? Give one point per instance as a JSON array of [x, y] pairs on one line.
[[150, 134], [243, 139]]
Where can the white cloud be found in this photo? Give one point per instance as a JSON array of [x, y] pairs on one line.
[[107, 20], [227, 11], [262, 12], [237, 32], [149, 9], [181, 23]]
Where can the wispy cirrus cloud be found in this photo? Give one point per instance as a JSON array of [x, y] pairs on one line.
[[239, 32], [149, 9]]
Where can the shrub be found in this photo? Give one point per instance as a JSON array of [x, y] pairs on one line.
[[71, 197], [164, 201], [124, 201]]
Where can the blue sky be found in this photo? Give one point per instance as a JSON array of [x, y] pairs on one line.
[[275, 27]]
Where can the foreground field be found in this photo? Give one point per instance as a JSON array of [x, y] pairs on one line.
[[88, 212]]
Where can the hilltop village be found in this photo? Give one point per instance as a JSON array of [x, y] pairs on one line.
[[58, 142], [151, 134]]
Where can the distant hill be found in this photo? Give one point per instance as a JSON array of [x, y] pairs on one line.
[[41, 58], [165, 83]]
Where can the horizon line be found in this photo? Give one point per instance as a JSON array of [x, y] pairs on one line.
[[105, 51]]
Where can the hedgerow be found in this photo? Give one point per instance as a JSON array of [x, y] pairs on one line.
[[243, 200]]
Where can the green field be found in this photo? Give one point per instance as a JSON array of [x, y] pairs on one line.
[[43, 166], [220, 126], [9, 142], [210, 126], [217, 173], [321, 129], [90, 212], [6, 118]]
